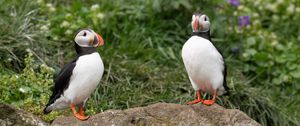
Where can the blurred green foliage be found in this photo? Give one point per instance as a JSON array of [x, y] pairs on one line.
[[28, 89], [270, 47], [142, 55]]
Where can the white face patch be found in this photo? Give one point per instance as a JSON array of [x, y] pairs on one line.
[[200, 23], [204, 21], [85, 38]]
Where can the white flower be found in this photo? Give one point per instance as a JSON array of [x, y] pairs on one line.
[[256, 22], [22, 90], [68, 15], [13, 14], [44, 28], [298, 9], [274, 43], [51, 7], [55, 38], [275, 17], [248, 26], [235, 13], [273, 35], [291, 8], [260, 8], [64, 24], [40, 1], [280, 1], [74, 26], [272, 7], [245, 55], [28, 50], [94, 7], [255, 15], [44, 65], [100, 15], [257, 3], [241, 7], [229, 29], [68, 32]]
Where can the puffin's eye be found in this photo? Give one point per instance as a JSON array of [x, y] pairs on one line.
[[205, 18], [84, 34]]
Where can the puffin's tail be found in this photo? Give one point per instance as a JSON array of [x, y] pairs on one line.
[[224, 90], [225, 87], [47, 110], [226, 93]]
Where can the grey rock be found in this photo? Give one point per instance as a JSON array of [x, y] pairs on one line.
[[164, 114], [11, 116]]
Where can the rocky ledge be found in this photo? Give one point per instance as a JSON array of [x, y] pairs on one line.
[[11, 116], [164, 114]]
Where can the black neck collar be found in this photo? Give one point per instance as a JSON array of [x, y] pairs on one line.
[[84, 50], [205, 35]]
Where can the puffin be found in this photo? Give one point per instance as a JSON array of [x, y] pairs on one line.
[[203, 62], [78, 79]]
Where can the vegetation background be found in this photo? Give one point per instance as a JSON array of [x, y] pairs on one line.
[[142, 54]]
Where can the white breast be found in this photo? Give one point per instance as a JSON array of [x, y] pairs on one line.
[[204, 64], [85, 78]]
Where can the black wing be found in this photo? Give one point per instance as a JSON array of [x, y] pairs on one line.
[[61, 82], [206, 35], [225, 75], [224, 71]]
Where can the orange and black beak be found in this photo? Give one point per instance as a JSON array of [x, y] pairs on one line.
[[98, 40]]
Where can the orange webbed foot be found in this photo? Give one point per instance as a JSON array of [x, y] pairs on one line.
[[193, 102], [81, 117], [208, 102], [196, 100]]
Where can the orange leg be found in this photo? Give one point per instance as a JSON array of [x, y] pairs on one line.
[[210, 102], [196, 100], [79, 115]]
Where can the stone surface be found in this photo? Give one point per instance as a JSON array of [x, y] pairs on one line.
[[11, 116], [164, 114]]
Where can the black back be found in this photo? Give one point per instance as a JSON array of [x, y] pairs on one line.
[[206, 35], [62, 81]]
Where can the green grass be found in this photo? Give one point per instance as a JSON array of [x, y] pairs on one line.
[[142, 59]]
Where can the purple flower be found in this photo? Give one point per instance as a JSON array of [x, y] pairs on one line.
[[244, 21], [235, 3]]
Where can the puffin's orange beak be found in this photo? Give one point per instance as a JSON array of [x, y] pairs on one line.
[[195, 25], [100, 40]]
